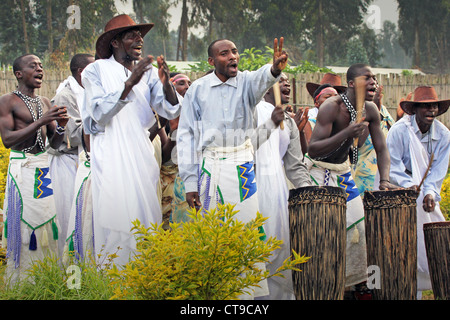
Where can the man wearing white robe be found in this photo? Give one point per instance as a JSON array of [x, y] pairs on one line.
[[411, 142], [64, 160], [278, 158], [120, 95]]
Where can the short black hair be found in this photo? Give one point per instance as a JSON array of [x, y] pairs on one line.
[[210, 47], [80, 60], [352, 72], [320, 88], [17, 64]]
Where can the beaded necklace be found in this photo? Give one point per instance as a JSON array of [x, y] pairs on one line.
[[34, 105], [352, 112]]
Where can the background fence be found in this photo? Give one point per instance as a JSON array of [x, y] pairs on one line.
[[395, 87]]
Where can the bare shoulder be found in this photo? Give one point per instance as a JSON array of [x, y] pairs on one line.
[[372, 112], [7, 101], [331, 104], [46, 103]]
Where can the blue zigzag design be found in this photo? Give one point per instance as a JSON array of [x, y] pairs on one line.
[[346, 181]]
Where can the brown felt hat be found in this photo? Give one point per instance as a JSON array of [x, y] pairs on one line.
[[329, 78], [425, 94], [115, 26]]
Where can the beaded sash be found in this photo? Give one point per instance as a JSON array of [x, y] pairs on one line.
[[36, 113], [352, 112]]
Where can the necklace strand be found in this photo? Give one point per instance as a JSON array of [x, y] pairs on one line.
[[30, 103], [353, 113]]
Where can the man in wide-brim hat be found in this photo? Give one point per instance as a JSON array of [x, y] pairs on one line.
[[121, 89], [414, 142], [329, 78], [114, 27], [425, 95], [330, 85]]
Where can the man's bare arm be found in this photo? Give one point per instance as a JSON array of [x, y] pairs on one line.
[[322, 142], [11, 137]]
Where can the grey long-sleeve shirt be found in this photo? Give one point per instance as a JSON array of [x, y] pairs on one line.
[[218, 114]]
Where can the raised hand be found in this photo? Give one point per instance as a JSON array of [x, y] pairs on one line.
[[280, 57], [140, 68], [301, 118], [163, 69], [377, 99]]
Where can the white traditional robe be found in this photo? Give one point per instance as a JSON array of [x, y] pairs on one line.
[[64, 160], [273, 200], [409, 162], [123, 165]]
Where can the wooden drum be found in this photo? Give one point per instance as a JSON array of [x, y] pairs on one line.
[[317, 224], [437, 244], [391, 239]]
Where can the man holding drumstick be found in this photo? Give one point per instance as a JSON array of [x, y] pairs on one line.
[[328, 160]]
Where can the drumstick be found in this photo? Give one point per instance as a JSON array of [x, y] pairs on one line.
[[360, 94], [277, 95], [426, 172]]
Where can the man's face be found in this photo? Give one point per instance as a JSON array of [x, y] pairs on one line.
[[285, 89], [130, 44], [426, 113], [225, 59], [371, 82], [31, 73], [181, 84], [324, 95]]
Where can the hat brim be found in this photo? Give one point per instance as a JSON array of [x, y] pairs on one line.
[[408, 106], [312, 87], [102, 46]]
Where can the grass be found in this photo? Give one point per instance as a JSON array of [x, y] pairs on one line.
[[49, 280]]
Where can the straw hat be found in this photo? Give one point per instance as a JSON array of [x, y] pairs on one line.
[[329, 78], [115, 26], [424, 94]]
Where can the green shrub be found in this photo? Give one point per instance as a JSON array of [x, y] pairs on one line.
[[253, 59], [211, 257], [445, 198], [48, 279]]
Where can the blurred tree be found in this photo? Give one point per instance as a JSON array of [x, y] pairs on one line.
[[233, 19], [424, 30], [356, 53], [393, 54], [17, 30], [157, 41], [44, 29], [94, 16], [371, 44], [331, 23]]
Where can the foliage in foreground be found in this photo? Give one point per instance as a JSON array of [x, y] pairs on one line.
[[211, 257], [48, 279], [445, 197]]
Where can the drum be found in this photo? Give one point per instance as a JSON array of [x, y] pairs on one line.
[[391, 239], [437, 244], [317, 228]]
